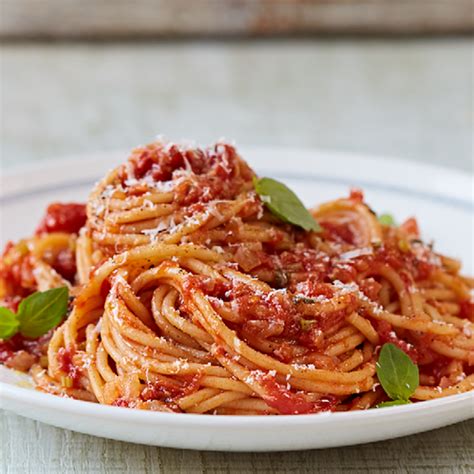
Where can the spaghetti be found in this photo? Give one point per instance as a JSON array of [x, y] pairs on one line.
[[188, 295]]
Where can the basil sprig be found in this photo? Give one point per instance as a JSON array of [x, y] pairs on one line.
[[36, 315], [397, 374], [386, 219], [282, 202]]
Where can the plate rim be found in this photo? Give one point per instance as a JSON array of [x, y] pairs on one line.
[[9, 391], [81, 162]]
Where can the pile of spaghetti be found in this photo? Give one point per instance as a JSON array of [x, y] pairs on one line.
[[189, 293]]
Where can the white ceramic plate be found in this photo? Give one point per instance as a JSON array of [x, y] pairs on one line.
[[442, 199]]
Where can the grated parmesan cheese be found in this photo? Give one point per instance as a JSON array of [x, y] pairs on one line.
[[356, 253]]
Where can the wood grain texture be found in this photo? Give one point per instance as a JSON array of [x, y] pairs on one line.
[[24, 450], [152, 18], [406, 99]]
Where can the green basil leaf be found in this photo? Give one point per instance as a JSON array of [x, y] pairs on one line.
[[397, 373], [393, 403], [42, 311], [386, 219], [8, 323], [282, 202]]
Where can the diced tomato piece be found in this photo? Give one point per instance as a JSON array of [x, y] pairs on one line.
[[62, 217]]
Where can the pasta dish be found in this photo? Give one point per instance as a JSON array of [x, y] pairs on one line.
[[189, 284]]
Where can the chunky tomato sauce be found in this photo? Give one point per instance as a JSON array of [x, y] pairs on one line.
[[17, 343], [66, 364], [167, 392], [410, 226], [16, 264], [338, 232], [387, 334], [65, 264], [289, 403], [291, 268], [309, 274], [63, 217], [206, 174], [17, 276], [356, 195], [467, 309], [170, 392]]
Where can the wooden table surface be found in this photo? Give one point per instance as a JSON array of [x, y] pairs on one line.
[[411, 99], [32, 447], [165, 18]]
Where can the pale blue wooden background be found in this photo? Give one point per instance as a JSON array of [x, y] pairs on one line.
[[401, 98], [411, 99]]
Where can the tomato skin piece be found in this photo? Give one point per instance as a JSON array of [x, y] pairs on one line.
[[63, 217]]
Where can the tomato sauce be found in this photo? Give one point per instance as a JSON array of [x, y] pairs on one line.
[[63, 217], [410, 226], [217, 173], [289, 403], [387, 334], [66, 365], [18, 277], [467, 309], [356, 195], [65, 264], [170, 392], [11, 302], [209, 286], [437, 368], [338, 232], [105, 288], [371, 288], [123, 403], [36, 347]]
